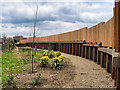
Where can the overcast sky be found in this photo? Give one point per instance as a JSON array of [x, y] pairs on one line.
[[53, 17]]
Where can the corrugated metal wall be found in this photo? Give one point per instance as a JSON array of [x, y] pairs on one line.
[[102, 32]]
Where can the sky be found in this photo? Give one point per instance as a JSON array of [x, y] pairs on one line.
[[54, 17]]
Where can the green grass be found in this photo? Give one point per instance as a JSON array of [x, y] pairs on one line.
[[73, 76], [67, 58], [11, 62], [61, 74]]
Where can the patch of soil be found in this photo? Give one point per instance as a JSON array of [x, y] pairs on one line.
[[49, 78]]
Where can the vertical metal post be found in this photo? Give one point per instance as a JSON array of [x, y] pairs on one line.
[[82, 51], [97, 56], [94, 54], [76, 49], [69, 48], [117, 39], [107, 63], [72, 49], [101, 59], [89, 53], [86, 52], [64, 47], [79, 49]]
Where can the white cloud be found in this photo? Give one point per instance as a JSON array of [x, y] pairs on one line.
[[53, 18]]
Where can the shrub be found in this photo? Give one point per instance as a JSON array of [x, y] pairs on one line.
[[26, 48], [44, 60], [51, 54], [58, 53], [45, 53], [56, 63]]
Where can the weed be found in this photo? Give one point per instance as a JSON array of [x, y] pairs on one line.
[[37, 79], [73, 76]]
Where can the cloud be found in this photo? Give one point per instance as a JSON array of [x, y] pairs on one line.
[[53, 17]]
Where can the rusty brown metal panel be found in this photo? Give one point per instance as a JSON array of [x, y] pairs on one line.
[[103, 33], [112, 32], [108, 32]]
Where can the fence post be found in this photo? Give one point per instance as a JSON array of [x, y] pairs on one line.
[[107, 63], [97, 56], [79, 49], [72, 49], [89, 53], [64, 48], [86, 52], [94, 54], [101, 59], [82, 51], [69, 48], [76, 49], [117, 40]]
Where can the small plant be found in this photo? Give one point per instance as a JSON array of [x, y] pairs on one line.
[[10, 80], [73, 76], [56, 63], [45, 53], [44, 60], [37, 79], [58, 53], [26, 48], [51, 54]]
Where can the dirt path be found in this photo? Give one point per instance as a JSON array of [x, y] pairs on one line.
[[89, 74]]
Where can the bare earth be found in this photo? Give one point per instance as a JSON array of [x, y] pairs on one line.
[[89, 74]]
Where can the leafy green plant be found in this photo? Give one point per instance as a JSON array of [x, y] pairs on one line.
[[37, 79], [51, 54], [58, 53], [45, 53], [44, 60], [26, 48], [73, 76], [10, 44], [56, 63]]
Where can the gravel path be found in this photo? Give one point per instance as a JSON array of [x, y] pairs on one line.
[[89, 74]]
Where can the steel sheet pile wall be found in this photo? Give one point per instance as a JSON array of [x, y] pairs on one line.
[[102, 32]]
